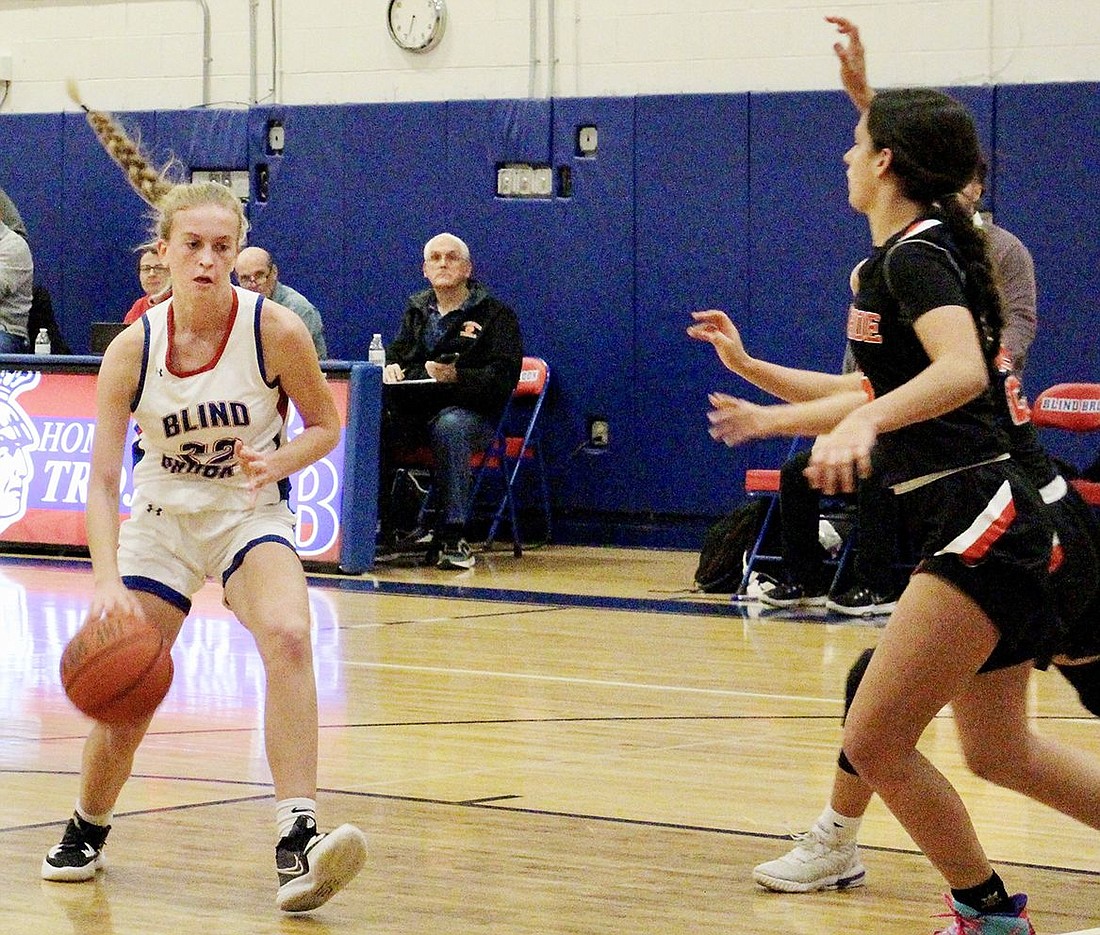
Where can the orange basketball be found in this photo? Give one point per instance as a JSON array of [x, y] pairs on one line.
[[117, 671]]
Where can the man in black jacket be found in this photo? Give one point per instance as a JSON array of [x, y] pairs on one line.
[[449, 373]]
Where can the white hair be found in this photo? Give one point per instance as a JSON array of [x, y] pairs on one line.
[[458, 241]]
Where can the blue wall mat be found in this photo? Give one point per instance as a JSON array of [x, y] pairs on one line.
[[592, 308], [301, 221], [805, 236], [1048, 194], [204, 138], [511, 240], [508, 238], [690, 201], [521, 130], [31, 172], [691, 198], [397, 194], [104, 220]]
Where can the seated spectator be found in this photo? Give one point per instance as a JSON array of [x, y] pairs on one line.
[[155, 281], [256, 270], [16, 291], [468, 344], [805, 580]]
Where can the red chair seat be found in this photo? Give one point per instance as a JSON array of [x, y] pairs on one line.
[[761, 480], [1089, 491]]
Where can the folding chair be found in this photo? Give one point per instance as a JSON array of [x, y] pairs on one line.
[[516, 444], [764, 482], [1073, 407]]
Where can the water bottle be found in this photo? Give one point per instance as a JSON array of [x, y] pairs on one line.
[[376, 353], [42, 342]]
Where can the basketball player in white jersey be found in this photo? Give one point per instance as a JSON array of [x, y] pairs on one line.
[[207, 375]]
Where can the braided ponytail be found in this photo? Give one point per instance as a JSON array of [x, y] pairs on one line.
[[983, 294], [151, 185], [155, 188]]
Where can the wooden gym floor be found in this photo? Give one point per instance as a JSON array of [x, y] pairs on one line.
[[566, 743]]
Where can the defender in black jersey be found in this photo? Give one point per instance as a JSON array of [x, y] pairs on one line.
[[923, 325]]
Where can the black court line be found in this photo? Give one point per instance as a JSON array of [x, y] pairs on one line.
[[348, 625], [489, 803], [481, 722]]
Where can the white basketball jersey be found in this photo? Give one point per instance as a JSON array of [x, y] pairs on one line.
[[189, 422]]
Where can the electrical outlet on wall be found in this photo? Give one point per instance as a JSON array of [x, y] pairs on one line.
[[599, 432]]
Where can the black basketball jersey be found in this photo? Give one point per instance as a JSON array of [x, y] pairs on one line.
[[915, 271]]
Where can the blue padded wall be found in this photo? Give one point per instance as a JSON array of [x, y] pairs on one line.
[[692, 201], [565, 264], [396, 196], [301, 222], [691, 204], [1048, 194], [32, 160], [590, 335]]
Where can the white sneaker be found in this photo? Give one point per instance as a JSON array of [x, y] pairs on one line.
[[817, 862], [313, 866]]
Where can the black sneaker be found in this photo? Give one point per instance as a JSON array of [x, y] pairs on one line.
[[861, 601], [455, 554], [313, 866], [791, 594], [79, 855]]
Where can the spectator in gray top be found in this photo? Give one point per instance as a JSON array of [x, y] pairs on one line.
[[16, 291], [256, 270], [9, 214]]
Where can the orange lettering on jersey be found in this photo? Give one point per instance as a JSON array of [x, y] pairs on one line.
[[863, 326]]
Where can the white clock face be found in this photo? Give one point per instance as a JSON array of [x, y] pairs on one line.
[[417, 25]]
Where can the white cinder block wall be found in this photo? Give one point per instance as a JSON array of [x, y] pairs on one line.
[[148, 54]]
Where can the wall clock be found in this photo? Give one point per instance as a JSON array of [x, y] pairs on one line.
[[417, 25]]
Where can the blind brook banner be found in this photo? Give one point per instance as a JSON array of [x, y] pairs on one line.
[[47, 427]]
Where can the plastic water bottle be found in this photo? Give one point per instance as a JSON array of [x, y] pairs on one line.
[[42, 342], [376, 353]]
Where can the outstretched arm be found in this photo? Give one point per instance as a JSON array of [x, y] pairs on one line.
[[735, 421], [853, 67], [787, 383]]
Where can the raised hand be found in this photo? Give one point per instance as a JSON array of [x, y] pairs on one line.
[[715, 328], [853, 66]]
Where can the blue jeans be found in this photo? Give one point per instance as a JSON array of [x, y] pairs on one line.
[[13, 343], [455, 435]]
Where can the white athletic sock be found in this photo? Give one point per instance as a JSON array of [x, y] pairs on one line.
[[840, 828], [88, 818], [287, 811]]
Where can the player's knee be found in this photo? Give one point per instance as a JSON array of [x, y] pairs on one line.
[[286, 643], [991, 764], [1085, 678]]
